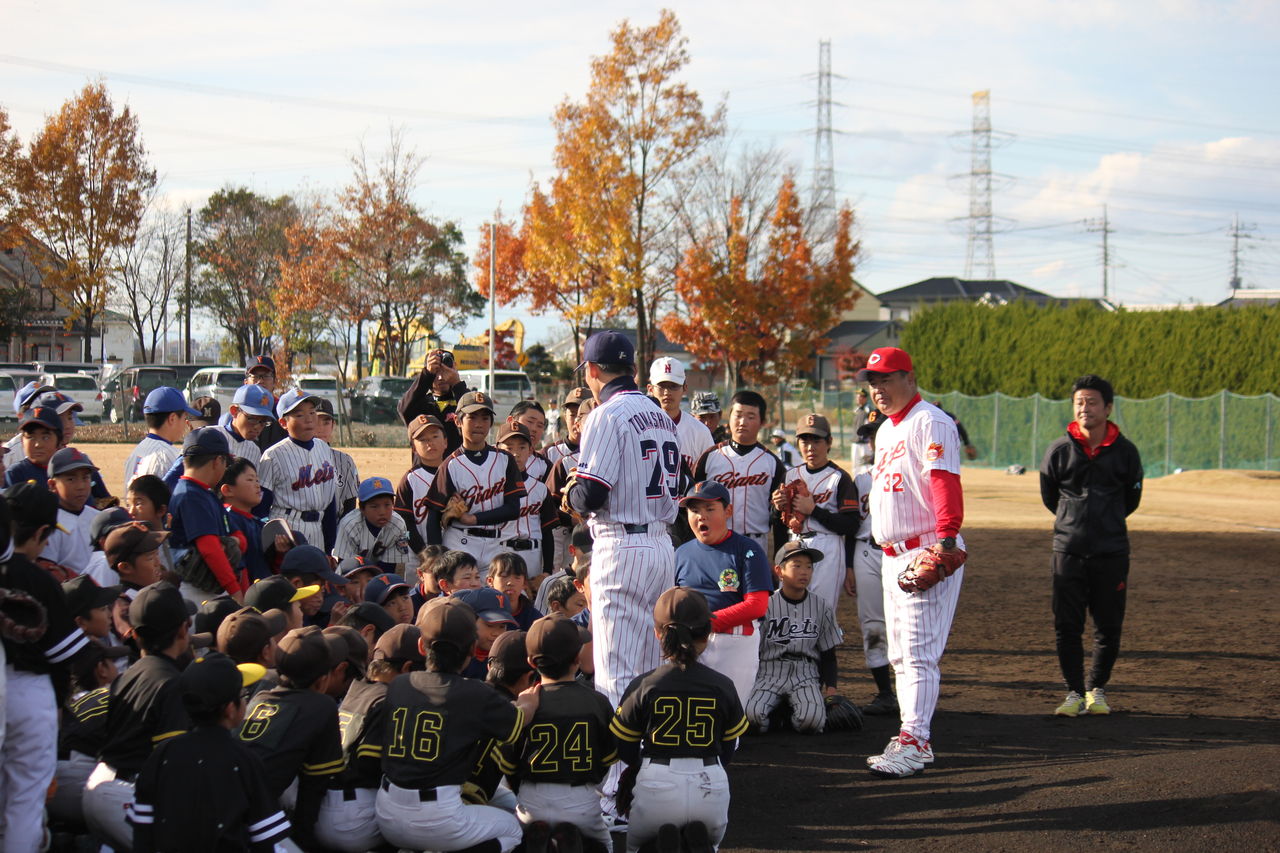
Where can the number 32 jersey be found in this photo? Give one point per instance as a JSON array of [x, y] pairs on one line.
[[680, 713], [630, 445]]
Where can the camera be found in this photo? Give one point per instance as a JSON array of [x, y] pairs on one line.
[[446, 357]]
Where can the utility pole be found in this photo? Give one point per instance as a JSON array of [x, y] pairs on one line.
[[1103, 225], [186, 292], [493, 302], [1238, 231]]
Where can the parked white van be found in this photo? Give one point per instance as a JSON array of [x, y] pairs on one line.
[[509, 387]]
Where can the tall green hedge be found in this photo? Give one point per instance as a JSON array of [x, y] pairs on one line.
[[1022, 348]]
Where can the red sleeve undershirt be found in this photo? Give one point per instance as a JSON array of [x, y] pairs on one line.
[[751, 608], [948, 502], [210, 548]]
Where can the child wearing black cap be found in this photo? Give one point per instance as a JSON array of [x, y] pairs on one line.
[[203, 790], [677, 727], [199, 522], [41, 431], [294, 727], [563, 755], [28, 752], [71, 479], [144, 709]]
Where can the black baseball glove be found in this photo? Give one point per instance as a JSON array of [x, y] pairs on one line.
[[842, 715]]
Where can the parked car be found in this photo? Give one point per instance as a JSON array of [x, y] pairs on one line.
[[184, 372], [509, 387], [82, 388], [375, 399], [322, 386], [220, 383], [126, 392], [8, 388], [90, 367]]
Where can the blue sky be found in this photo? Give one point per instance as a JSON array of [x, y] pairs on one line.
[[1166, 112]]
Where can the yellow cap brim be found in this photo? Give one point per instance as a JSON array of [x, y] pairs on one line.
[[252, 673], [305, 592]]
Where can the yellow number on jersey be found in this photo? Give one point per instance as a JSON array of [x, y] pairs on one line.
[[255, 725], [423, 743], [550, 750], [688, 721]]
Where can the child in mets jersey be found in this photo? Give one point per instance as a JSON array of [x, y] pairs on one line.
[[677, 727], [563, 755], [300, 472], [798, 642], [374, 531]]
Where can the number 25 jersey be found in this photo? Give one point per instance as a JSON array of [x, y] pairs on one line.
[[680, 713]]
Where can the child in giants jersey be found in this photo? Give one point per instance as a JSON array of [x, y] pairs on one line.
[[677, 726], [529, 533], [428, 440]]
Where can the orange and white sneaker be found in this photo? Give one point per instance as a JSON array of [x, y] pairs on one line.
[[904, 756]]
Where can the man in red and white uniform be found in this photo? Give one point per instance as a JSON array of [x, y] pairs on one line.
[[916, 502]]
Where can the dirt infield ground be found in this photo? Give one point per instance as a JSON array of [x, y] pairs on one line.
[[1189, 760]]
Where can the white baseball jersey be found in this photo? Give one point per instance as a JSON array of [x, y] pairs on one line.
[[538, 467], [304, 482], [867, 578], [153, 455], [484, 479], [389, 544], [348, 477], [13, 451], [524, 533], [901, 501], [555, 485], [631, 446], [71, 549], [694, 437], [558, 451], [242, 447], [751, 474], [832, 490], [792, 636], [411, 495]]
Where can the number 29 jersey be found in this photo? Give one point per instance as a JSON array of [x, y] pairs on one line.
[[680, 713], [630, 445]]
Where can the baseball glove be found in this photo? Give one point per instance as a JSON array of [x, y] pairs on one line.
[[565, 506], [970, 451], [626, 789], [791, 517], [193, 569], [22, 618], [453, 510], [842, 715], [929, 568]]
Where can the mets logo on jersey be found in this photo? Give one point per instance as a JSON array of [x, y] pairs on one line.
[[934, 452], [729, 580], [308, 477]]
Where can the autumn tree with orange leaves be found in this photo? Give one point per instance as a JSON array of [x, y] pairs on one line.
[[82, 189], [600, 229], [763, 324]]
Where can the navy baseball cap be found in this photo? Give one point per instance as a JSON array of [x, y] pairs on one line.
[[256, 362], [324, 407], [206, 441], [489, 604], [356, 563], [208, 407], [212, 681], [609, 347], [707, 490], [27, 393], [885, 360], [309, 560], [292, 399], [255, 400], [373, 487], [380, 588], [41, 416], [166, 399], [104, 521], [59, 402], [69, 459]]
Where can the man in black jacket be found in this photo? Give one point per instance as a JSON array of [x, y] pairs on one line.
[[436, 392], [1091, 479]]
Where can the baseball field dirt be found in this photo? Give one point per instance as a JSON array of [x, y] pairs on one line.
[[1188, 760]]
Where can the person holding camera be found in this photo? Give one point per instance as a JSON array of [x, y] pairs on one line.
[[436, 392]]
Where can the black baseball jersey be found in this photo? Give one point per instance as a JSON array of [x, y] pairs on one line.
[[433, 723], [295, 733], [204, 791], [144, 709], [84, 724], [568, 740], [62, 639], [357, 711], [680, 713]]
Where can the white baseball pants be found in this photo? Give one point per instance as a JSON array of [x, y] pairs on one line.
[[30, 754], [680, 793], [556, 802], [348, 820], [106, 803], [445, 824], [735, 656], [866, 574]]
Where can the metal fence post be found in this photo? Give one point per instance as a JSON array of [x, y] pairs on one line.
[[1035, 424], [995, 428], [1266, 462], [1168, 432], [1222, 430]]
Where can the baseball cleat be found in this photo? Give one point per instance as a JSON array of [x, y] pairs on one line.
[[1072, 706], [668, 840], [904, 756], [537, 837], [882, 705], [926, 751], [567, 838], [695, 838], [1095, 702]]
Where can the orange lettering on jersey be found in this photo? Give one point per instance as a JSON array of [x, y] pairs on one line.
[[532, 508], [731, 481], [420, 508], [934, 452], [476, 494], [821, 498]]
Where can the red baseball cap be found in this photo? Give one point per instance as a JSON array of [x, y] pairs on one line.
[[885, 360]]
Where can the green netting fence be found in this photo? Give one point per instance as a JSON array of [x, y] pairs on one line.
[[1172, 432]]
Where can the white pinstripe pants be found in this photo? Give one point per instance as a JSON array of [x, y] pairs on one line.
[[918, 624]]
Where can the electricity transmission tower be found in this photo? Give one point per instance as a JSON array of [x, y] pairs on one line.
[[824, 158], [1238, 232], [981, 253]]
